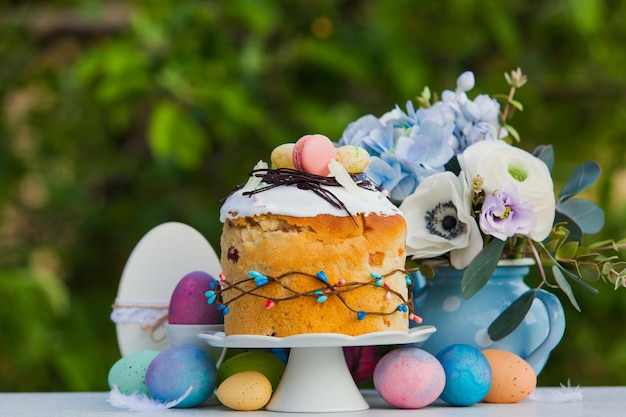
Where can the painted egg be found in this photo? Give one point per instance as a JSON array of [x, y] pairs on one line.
[[513, 379], [409, 377], [353, 158], [253, 360], [282, 156], [188, 303], [361, 361], [129, 372], [245, 391], [468, 375], [174, 370]]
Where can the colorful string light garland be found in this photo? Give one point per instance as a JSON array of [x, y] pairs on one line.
[[321, 294]]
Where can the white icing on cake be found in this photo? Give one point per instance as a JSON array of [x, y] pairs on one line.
[[295, 202]]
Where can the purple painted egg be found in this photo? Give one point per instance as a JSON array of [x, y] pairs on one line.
[[188, 304], [409, 377], [174, 370]]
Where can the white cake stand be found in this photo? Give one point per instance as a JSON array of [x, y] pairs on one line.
[[317, 378]]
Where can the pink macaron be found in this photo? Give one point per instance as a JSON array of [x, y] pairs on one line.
[[312, 153]]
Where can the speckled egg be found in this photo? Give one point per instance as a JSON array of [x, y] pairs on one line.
[[253, 360], [282, 156], [409, 377], [188, 303], [468, 374], [353, 158], [513, 379], [176, 369], [245, 391], [129, 372]]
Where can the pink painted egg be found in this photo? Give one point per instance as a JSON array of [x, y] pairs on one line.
[[409, 377], [188, 303]]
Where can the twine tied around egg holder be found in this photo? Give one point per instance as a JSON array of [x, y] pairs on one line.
[[149, 316], [321, 294]]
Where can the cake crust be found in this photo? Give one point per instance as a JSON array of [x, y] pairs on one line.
[[291, 251]]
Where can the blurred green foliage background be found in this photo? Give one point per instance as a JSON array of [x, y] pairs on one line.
[[118, 116]]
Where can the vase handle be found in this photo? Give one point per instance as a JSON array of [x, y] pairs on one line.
[[556, 316]]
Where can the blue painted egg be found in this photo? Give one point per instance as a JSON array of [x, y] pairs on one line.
[[176, 369], [129, 372], [468, 374]]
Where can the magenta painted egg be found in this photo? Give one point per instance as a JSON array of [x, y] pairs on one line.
[[361, 361], [188, 304], [409, 377]]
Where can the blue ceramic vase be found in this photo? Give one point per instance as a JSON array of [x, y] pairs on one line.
[[440, 303]]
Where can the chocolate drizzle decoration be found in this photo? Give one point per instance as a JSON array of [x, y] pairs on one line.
[[282, 177]]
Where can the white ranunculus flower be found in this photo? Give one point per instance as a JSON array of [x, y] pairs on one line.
[[497, 161], [439, 220]]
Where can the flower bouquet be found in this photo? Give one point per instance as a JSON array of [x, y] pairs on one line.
[[471, 197]]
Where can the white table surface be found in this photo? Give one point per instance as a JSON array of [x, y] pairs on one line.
[[597, 401]]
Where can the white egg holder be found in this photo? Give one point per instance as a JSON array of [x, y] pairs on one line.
[[317, 378]]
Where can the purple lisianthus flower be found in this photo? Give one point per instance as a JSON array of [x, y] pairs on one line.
[[503, 214]]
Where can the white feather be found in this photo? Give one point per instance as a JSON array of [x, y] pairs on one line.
[[565, 394], [142, 402]]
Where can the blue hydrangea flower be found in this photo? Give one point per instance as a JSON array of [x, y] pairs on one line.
[[409, 145]]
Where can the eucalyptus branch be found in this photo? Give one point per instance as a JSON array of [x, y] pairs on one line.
[[537, 257]]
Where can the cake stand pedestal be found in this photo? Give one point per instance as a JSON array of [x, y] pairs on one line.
[[317, 378]]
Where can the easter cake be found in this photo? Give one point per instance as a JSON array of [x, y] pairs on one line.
[[312, 246]]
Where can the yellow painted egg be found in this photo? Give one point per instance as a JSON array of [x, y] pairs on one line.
[[282, 156], [353, 158], [245, 391], [513, 379]]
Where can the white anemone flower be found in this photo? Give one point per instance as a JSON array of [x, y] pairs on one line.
[[439, 220], [496, 161]]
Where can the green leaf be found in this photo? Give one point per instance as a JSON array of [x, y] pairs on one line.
[[512, 316], [587, 215], [567, 251], [546, 154], [574, 232], [583, 177], [517, 104], [564, 286], [512, 132], [480, 270]]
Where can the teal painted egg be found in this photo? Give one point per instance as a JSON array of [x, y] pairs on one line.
[[129, 372]]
